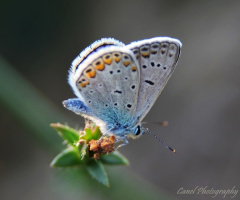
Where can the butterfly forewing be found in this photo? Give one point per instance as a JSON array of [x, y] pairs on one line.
[[157, 58]]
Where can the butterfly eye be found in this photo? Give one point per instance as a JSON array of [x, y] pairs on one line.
[[138, 130]]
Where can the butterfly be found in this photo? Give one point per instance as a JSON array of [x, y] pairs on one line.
[[116, 84]]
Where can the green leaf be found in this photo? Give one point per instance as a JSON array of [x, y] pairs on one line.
[[66, 158], [67, 133], [82, 148], [91, 133], [115, 158], [97, 133], [97, 171]]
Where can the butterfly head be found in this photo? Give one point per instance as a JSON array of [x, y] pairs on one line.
[[137, 131]]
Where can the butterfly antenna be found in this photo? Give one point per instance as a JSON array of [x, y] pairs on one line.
[[163, 143], [162, 123]]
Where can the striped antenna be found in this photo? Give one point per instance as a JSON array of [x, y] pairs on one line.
[[163, 143]]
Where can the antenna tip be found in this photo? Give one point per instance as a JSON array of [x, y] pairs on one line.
[[164, 123], [173, 150]]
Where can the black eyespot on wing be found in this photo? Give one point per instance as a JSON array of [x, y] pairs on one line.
[[118, 91], [153, 64], [135, 51], [149, 82], [145, 49], [129, 105]]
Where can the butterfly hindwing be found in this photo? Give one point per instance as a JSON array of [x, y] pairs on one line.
[[157, 58], [108, 82]]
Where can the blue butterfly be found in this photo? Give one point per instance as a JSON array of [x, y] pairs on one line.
[[116, 85]]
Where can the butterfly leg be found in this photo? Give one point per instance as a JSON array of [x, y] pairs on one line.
[[106, 134], [124, 139]]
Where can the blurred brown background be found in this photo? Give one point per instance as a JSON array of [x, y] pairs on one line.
[[39, 39]]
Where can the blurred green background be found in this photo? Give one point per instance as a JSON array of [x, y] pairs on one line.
[[39, 40]]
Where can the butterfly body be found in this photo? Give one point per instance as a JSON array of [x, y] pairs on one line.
[[117, 84]]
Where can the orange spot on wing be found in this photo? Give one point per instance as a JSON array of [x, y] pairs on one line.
[[145, 54], [117, 57], [82, 84], [91, 74], [126, 63], [99, 65], [153, 52], [83, 81], [107, 59], [134, 68]]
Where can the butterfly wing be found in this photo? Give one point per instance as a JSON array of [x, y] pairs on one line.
[[157, 58], [107, 81]]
